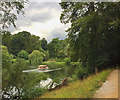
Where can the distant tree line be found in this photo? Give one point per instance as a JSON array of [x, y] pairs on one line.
[[23, 43]]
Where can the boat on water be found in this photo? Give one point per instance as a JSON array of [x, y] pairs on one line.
[[42, 67]]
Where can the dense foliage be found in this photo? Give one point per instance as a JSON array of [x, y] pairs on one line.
[[9, 11], [67, 60], [36, 57], [19, 52], [56, 48], [14, 78], [93, 43], [22, 51], [24, 41], [94, 33], [23, 54]]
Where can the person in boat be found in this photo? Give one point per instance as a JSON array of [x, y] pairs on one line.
[[42, 67]]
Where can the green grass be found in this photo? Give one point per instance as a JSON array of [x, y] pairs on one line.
[[54, 64], [80, 88], [59, 64]]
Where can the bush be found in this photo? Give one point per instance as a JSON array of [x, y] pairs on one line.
[[59, 60], [35, 92], [51, 59], [23, 54], [36, 58], [67, 60], [79, 60], [81, 72], [27, 62], [14, 61]]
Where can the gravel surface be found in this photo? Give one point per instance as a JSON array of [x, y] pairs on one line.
[[110, 88]]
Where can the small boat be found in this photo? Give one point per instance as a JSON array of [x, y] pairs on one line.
[[42, 67]]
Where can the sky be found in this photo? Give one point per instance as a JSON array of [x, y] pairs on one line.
[[42, 19]]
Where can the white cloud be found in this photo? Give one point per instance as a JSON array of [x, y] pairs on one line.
[[42, 19]]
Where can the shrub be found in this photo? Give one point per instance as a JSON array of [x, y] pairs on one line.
[[81, 72], [59, 60], [67, 60], [74, 78], [79, 60], [27, 62], [33, 93], [36, 58], [51, 59], [14, 61], [23, 54]]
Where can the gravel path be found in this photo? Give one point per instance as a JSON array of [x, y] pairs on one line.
[[110, 88]]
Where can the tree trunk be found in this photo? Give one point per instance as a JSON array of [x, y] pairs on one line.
[[96, 70]]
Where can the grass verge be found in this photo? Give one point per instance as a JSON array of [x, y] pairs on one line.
[[80, 88], [59, 64]]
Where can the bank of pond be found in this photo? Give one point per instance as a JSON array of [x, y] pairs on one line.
[[58, 75]]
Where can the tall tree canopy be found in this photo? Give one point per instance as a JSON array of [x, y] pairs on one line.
[[55, 48], [94, 32], [23, 54], [20, 42], [6, 39], [44, 44], [36, 57]]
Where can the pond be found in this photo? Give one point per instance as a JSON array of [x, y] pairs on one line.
[[55, 75]]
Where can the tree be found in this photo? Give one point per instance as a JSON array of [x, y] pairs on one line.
[[44, 53], [44, 44], [36, 57], [56, 48], [14, 78], [23, 54], [20, 42], [5, 66], [24, 41], [20, 81], [35, 42], [6, 39], [64, 49], [9, 11], [90, 25], [5, 57]]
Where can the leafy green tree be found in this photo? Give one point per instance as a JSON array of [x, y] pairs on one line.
[[61, 54], [46, 57], [20, 81], [20, 42], [56, 48], [14, 78], [23, 54], [93, 25], [53, 47], [5, 66], [6, 39], [35, 42], [36, 57], [5, 57], [44, 44], [67, 60], [9, 11], [44, 53], [24, 41]]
